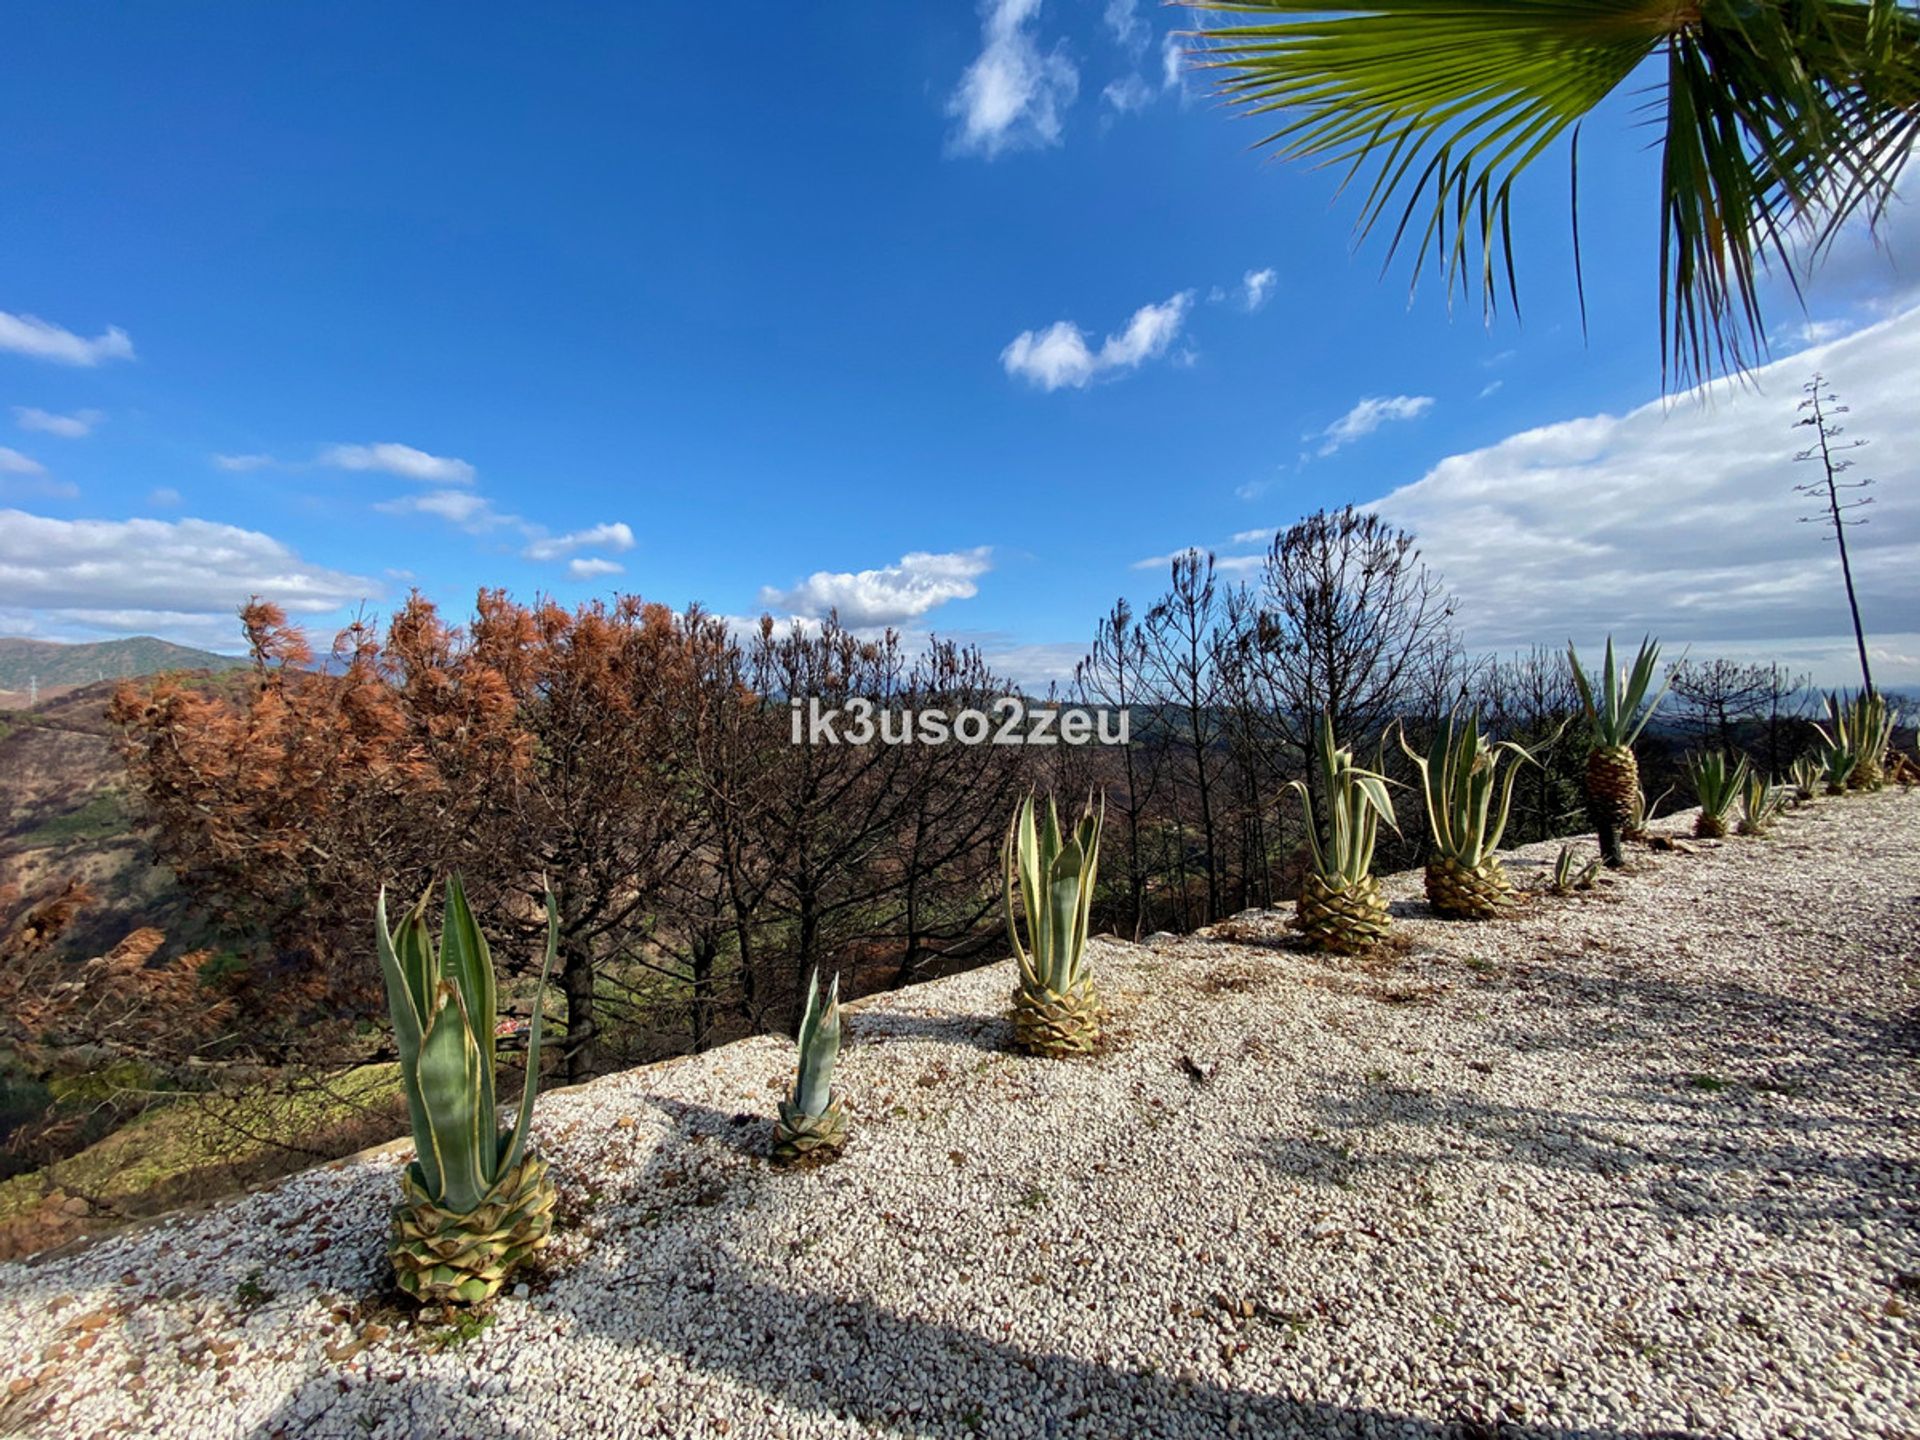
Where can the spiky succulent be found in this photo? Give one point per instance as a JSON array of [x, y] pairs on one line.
[[1467, 806], [1055, 1011], [812, 1121], [1761, 802], [1570, 875], [1804, 776], [1837, 760], [1716, 783], [1341, 908], [1865, 725], [1616, 713], [474, 1201]]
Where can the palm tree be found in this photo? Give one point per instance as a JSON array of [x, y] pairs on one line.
[[1777, 114]]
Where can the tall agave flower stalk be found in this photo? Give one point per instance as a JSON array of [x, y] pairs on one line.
[[1616, 714], [1341, 908], [1865, 725], [1717, 783], [474, 1202], [1467, 807], [812, 1121], [1055, 1011], [1761, 802]]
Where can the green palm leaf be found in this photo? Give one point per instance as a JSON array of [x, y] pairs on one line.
[[1776, 112]]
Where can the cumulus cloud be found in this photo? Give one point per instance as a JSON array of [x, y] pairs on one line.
[[1012, 95], [1060, 356], [903, 591], [68, 427], [1368, 416], [615, 536], [31, 336], [402, 460], [588, 567], [1681, 519], [1256, 288], [12, 462], [180, 578]]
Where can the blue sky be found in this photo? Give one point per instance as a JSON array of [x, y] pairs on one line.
[[952, 317]]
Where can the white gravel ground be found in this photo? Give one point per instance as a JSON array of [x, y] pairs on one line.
[[1642, 1161]]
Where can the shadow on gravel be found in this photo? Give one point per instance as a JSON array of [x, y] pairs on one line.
[[817, 1355], [1697, 1143], [982, 1032]]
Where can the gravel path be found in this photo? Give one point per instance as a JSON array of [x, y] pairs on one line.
[[1640, 1161]]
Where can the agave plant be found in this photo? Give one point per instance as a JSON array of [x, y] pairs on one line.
[[1717, 782], [474, 1202], [1467, 808], [1569, 875], [1341, 908], [1616, 714], [1641, 813], [1055, 1011], [1837, 761], [1761, 802], [1865, 726], [812, 1121], [1804, 776]]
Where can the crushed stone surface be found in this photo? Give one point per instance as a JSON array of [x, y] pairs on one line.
[[1638, 1161]]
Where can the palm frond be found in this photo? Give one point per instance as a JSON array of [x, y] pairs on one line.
[[1774, 114]]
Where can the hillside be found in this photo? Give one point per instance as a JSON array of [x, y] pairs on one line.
[[1635, 1162], [58, 667]]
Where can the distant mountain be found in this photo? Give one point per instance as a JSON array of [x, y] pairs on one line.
[[57, 666]]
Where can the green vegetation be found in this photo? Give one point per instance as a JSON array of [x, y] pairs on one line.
[[1617, 711], [1055, 1011], [1716, 785], [1341, 908], [812, 1121], [1458, 779], [474, 1202], [103, 817], [54, 665]]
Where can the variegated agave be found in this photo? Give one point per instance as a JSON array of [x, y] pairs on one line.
[[1055, 1011], [474, 1202], [1716, 784], [1467, 807], [1341, 908]]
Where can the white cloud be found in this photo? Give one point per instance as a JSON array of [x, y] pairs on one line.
[[1256, 288], [401, 460], [1253, 537], [471, 512], [1368, 416], [68, 427], [616, 536], [1680, 518], [1060, 356], [180, 578], [1492, 387], [1173, 62], [1128, 93], [243, 463], [12, 462], [917, 583], [1011, 96], [163, 498], [586, 567], [1123, 19], [26, 335]]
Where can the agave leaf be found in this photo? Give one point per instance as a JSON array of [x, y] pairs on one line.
[[819, 1046], [466, 961], [408, 1028], [459, 1136], [1063, 906]]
